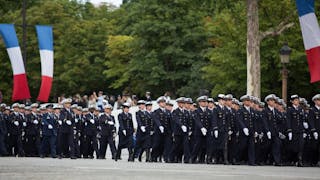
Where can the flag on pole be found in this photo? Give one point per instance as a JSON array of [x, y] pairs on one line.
[[45, 38], [20, 83], [311, 36]]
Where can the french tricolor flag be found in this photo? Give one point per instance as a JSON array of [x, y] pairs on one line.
[[20, 83], [311, 36], [45, 38]]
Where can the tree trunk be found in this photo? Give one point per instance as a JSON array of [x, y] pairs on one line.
[[253, 49]]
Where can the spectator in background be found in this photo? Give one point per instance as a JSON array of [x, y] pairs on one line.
[[84, 101], [92, 100], [167, 96], [112, 100], [100, 101], [61, 98], [119, 102], [148, 96]]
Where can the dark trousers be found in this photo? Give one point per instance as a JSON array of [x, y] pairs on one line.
[[32, 145], [247, 150], [3, 148], [76, 142], [48, 143], [161, 146], [233, 148], [201, 144], [296, 147], [15, 145], [66, 143], [104, 141], [220, 146], [180, 147], [90, 145], [276, 149]]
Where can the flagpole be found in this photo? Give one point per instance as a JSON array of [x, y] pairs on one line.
[[24, 32]]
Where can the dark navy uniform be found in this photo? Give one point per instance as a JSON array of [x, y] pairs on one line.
[[246, 118], [3, 134], [77, 129], [66, 133], [32, 135], [314, 122], [233, 139], [202, 119], [49, 132], [295, 119], [143, 143], [162, 140], [15, 134], [125, 139], [181, 136], [90, 129], [107, 131]]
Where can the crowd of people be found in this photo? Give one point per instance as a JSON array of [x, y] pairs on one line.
[[212, 131]]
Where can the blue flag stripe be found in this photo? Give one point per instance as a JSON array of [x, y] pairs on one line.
[[45, 37], [305, 7], [9, 35]]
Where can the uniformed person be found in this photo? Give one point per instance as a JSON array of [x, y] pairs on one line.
[[143, 131], [76, 129], [32, 133], [314, 122], [49, 132], [149, 114], [202, 131], [90, 129], [3, 131], [15, 132], [107, 132], [125, 132], [66, 130], [245, 117], [295, 129], [181, 133]]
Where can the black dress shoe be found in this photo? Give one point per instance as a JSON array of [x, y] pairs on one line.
[[73, 157]]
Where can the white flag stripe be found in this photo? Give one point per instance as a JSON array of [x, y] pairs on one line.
[[310, 31], [46, 57], [15, 57]]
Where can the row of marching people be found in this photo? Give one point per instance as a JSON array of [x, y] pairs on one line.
[[226, 131]]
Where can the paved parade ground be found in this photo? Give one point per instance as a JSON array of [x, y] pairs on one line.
[[36, 168]]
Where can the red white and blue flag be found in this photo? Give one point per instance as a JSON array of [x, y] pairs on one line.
[[20, 83], [45, 38], [311, 36]]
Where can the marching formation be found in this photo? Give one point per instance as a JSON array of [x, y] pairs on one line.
[[223, 132]]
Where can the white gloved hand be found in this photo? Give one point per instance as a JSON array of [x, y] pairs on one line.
[[269, 134], [255, 134], [91, 121], [124, 132], [69, 122], [36, 122], [216, 133], [246, 131], [24, 124], [151, 133], [305, 125], [230, 133], [60, 122], [204, 131], [111, 123], [161, 128], [304, 135], [184, 128], [281, 136], [76, 120], [16, 123], [190, 133], [50, 126], [261, 136], [290, 136], [315, 135], [143, 128]]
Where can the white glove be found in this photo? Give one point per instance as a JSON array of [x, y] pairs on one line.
[[76, 120], [255, 134], [204, 131], [230, 133], [16, 123], [91, 121], [143, 128], [269, 134], [281, 136], [190, 132], [246, 131], [23, 133], [151, 133], [305, 125], [315, 135], [216, 133], [290, 136], [161, 129], [304, 135], [124, 132], [184, 128], [50, 126], [111, 123], [60, 122], [35, 122], [24, 124], [69, 122], [261, 136]]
